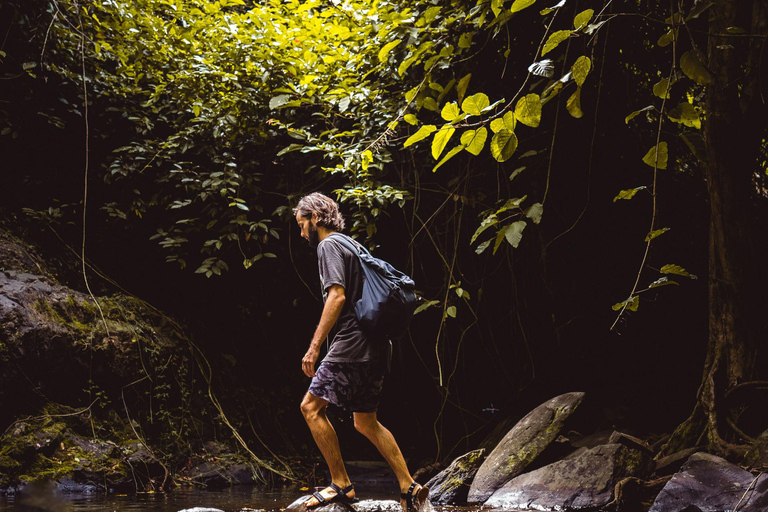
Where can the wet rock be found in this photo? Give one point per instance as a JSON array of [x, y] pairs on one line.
[[672, 463], [377, 506], [522, 444], [711, 484], [298, 506], [757, 456], [201, 509], [360, 506], [584, 482], [451, 486]]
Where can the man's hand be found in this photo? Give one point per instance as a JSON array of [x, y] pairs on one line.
[[308, 363]]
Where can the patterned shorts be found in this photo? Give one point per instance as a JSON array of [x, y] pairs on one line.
[[354, 387]]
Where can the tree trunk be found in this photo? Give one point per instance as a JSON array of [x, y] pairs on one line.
[[733, 136]]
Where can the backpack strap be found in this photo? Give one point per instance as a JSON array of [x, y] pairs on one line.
[[350, 243]]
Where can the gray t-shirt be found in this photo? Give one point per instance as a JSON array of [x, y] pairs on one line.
[[338, 265]]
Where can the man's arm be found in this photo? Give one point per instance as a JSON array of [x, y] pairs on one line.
[[331, 311]]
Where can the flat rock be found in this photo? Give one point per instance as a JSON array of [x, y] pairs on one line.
[[451, 486], [579, 483], [672, 463], [360, 506], [708, 483], [522, 444]]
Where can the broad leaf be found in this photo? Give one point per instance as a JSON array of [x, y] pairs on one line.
[[489, 221], [631, 304], [692, 64], [662, 281], [410, 119], [628, 194], [426, 305], [534, 212], [474, 104], [657, 156], [582, 19], [581, 69], [555, 7], [448, 156], [667, 38], [461, 88], [384, 52], [685, 114], [451, 311], [661, 89], [519, 5], [450, 112], [442, 137], [423, 132], [573, 105], [555, 39], [279, 101], [637, 113], [544, 67], [677, 270], [528, 110], [483, 246], [474, 140], [503, 145], [514, 233], [656, 232]]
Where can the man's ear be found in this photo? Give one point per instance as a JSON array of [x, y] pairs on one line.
[[314, 218]]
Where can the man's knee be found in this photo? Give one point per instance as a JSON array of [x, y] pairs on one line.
[[312, 406], [366, 423]]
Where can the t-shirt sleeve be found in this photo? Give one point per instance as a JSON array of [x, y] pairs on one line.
[[330, 262]]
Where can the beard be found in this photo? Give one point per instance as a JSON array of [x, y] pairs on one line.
[[314, 238]]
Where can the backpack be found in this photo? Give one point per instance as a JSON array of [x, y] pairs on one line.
[[388, 299]]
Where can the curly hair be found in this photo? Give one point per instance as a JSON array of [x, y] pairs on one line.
[[327, 210]]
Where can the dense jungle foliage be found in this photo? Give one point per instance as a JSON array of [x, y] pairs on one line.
[[576, 187]]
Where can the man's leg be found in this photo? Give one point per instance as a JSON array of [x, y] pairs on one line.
[[314, 410], [368, 424]]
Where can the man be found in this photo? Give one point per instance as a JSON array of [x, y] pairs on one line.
[[352, 373]]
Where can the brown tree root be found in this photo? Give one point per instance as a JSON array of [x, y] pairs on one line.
[[636, 495]]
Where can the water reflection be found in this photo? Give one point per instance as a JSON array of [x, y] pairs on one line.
[[229, 500]]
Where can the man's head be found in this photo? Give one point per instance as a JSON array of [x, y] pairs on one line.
[[317, 210]]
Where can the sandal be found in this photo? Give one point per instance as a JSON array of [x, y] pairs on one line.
[[415, 497], [339, 497]]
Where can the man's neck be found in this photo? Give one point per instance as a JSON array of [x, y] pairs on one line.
[[323, 232]]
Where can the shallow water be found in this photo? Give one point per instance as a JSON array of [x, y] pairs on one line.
[[229, 500]]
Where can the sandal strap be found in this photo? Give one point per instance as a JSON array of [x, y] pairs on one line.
[[408, 495], [319, 497]]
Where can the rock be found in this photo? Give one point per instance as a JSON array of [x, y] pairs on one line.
[[298, 506], [451, 486], [584, 482], [630, 442], [201, 509], [360, 506], [708, 483], [672, 463], [522, 444], [757, 456], [592, 440]]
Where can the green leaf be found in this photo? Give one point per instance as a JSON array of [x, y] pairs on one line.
[[384, 52], [667, 38], [581, 69], [516, 172], [426, 305], [582, 19], [366, 159], [514, 233], [450, 112], [503, 145], [423, 132], [474, 104], [508, 121], [662, 281], [441, 139], [685, 114], [410, 119], [656, 232], [661, 89], [528, 110], [628, 194], [496, 6], [465, 40], [279, 101], [555, 39], [461, 88], [430, 103], [637, 113], [500, 234], [692, 64], [631, 304], [489, 221], [534, 212], [483, 246], [451, 311], [677, 270], [651, 159], [448, 156], [474, 140], [573, 105], [519, 5]]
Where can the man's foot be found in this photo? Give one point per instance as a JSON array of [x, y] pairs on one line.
[[414, 498], [332, 493]]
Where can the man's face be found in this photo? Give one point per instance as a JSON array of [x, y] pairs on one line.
[[308, 229]]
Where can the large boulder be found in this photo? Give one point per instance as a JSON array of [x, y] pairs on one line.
[[451, 486], [527, 439], [584, 482], [707, 483], [360, 506]]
